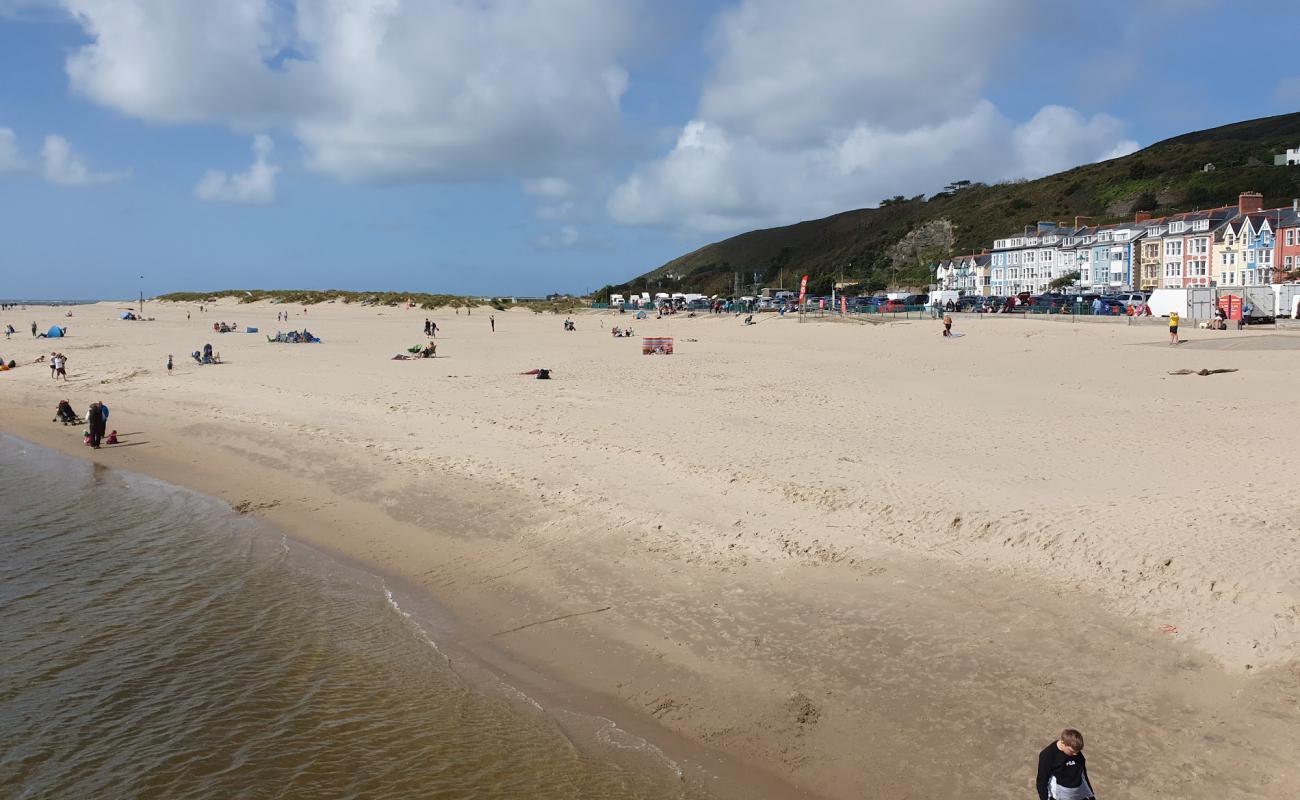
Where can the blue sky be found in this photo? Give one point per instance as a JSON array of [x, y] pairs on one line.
[[531, 146]]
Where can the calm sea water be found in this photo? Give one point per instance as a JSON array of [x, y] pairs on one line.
[[154, 644]]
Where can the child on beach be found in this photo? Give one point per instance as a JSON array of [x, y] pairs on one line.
[[1173, 327], [169, 363], [947, 324]]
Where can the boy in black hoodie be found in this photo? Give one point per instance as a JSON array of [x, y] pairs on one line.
[[1062, 771]]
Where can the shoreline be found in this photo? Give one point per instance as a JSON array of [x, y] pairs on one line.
[[474, 656], [762, 605]]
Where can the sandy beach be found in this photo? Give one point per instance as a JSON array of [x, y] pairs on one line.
[[822, 559]]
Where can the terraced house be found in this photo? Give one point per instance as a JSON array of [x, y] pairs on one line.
[[1029, 262], [1150, 252], [1241, 245], [1287, 258], [1230, 252]]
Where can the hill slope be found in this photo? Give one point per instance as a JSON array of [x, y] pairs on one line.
[[894, 244]]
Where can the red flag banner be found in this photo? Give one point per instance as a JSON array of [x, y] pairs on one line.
[[803, 290]]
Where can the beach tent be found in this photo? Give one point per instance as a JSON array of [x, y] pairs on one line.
[[54, 333]]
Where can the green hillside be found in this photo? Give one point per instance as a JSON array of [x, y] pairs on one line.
[[893, 244]]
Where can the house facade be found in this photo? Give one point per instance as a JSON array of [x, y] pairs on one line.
[[1149, 248], [1230, 253], [1260, 245], [1287, 259]]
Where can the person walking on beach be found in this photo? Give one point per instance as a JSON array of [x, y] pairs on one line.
[[426, 326], [1173, 327], [169, 363], [492, 320], [60, 367], [96, 423], [33, 329], [947, 325], [433, 330], [1062, 771]]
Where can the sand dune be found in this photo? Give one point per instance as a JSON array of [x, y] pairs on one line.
[[824, 548]]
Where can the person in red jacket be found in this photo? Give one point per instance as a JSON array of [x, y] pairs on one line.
[[1062, 770]]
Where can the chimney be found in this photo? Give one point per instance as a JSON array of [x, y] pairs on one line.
[[1141, 216], [1295, 205], [1250, 202]]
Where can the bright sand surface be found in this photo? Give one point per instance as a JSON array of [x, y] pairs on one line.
[[828, 559]]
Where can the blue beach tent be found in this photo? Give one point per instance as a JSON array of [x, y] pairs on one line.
[[54, 333]]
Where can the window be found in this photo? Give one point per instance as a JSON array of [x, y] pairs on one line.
[[1201, 225], [1288, 263], [1199, 247], [1152, 250], [1174, 248], [1229, 239], [1177, 227], [1290, 237]]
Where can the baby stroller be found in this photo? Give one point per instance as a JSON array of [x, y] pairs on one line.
[[64, 413]]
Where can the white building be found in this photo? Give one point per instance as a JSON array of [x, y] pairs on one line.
[[1290, 158], [1029, 262]]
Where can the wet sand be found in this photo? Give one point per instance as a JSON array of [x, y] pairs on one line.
[[840, 560]]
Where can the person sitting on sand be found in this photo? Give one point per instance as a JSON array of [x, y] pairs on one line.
[[112, 437], [430, 350]]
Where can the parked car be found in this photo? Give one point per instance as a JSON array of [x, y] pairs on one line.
[[1137, 300], [891, 306], [916, 299], [1111, 306]]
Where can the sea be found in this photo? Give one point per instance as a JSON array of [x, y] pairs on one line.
[[156, 644]]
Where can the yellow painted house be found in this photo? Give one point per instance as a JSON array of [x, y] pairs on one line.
[[1230, 252]]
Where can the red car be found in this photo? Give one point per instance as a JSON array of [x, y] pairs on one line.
[[894, 305]]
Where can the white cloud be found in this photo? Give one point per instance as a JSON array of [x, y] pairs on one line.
[[375, 90], [788, 73], [565, 238], [62, 165], [807, 114], [10, 160], [255, 187], [715, 182], [548, 187]]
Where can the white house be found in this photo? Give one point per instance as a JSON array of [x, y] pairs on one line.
[[1290, 158]]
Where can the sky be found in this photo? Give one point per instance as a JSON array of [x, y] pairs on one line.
[[522, 147]]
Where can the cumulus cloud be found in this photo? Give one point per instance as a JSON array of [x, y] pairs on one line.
[[565, 238], [62, 165], [714, 181], [376, 90], [809, 114], [253, 187], [10, 160], [785, 73], [548, 187]]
